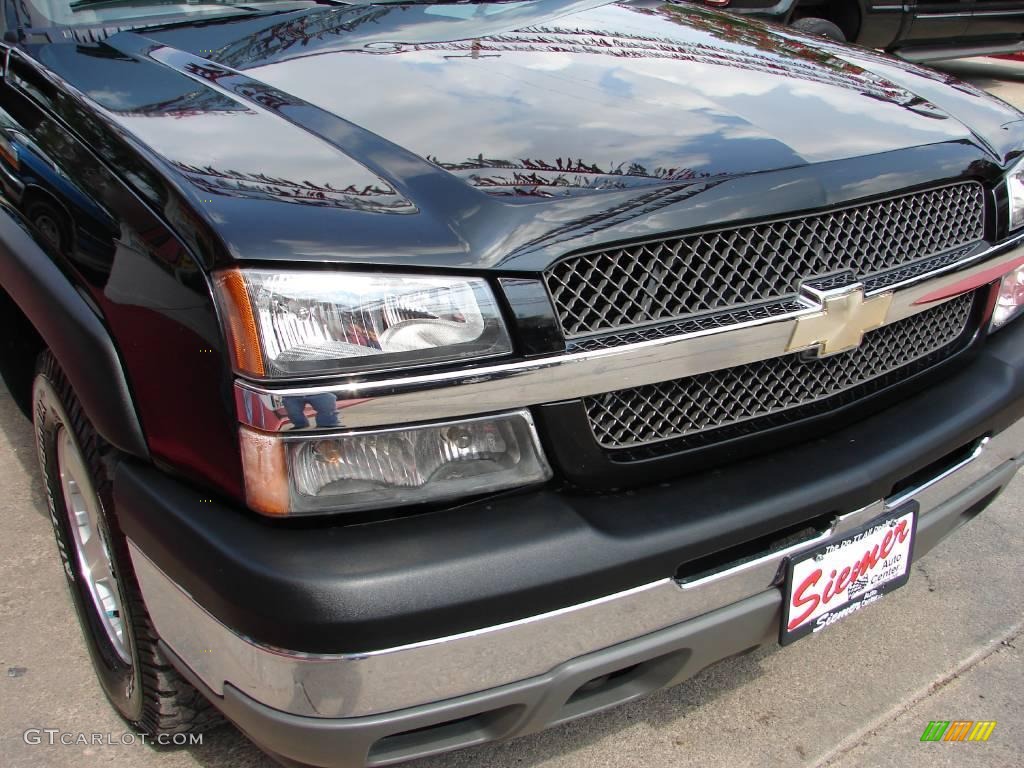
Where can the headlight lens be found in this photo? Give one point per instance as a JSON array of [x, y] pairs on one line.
[[293, 324], [391, 467], [1010, 302], [1015, 188]]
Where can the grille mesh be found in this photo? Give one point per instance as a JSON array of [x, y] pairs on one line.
[[673, 278], [708, 401]]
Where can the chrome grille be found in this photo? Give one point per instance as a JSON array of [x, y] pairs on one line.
[[673, 278], [709, 401]]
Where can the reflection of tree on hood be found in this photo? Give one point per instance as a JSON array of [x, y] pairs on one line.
[[203, 101], [746, 32], [374, 198], [823, 68], [274, 40], [774, 52], [645, 204], [544, 178]]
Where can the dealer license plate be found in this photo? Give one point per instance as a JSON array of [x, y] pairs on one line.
[[837, 579]]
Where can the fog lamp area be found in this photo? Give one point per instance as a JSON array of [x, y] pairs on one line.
[[1010, 300], [372, 470]]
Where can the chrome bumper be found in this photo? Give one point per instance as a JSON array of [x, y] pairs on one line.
[[353, 685]]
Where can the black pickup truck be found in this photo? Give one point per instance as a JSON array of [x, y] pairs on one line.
[[413, 375], [915, 30]]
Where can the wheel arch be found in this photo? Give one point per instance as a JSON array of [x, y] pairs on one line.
[[49, 312], [20, 346]]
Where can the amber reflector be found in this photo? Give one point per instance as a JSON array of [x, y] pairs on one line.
[[266, 473], [239, 322]]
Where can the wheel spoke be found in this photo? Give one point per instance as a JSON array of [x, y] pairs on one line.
[[85, 517], [106, 589], [94, 558]]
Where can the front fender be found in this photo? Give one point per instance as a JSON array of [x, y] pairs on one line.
[[73, 331]]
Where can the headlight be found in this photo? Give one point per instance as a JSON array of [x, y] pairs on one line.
[[283, 324], [1015, 188], [390, 467], [1010, 301]]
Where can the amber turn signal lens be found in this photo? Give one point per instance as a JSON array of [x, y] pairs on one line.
[[239, 322], [266, 472]]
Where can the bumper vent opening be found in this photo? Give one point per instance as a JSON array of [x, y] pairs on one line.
[[451, 734], [621, 685], [977, 508], [601, 683], [753, 549], [926, 474]]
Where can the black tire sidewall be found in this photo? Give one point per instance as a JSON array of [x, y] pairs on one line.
[[820, 28], [120, 681]]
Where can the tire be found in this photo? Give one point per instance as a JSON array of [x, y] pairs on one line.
[[51, 223], [76, 467], [819, 28]]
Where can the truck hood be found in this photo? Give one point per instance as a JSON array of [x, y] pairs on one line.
[[550, 97], [442, 112]]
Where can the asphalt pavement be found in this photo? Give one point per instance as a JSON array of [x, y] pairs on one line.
[[948, 646]]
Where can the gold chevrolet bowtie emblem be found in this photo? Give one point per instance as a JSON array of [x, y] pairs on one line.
[[844, 318]]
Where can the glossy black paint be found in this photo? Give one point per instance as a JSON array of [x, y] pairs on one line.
[[999, 19], [142, 285], [755, 101], [532, 316], [438, 137], [51, 312]]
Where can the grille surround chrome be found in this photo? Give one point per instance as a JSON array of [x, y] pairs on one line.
[[663, 280], [493, 387], [711, 403]]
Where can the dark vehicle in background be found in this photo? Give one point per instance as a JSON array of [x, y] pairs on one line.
[[50, 201], [410, 376], [918, 30]]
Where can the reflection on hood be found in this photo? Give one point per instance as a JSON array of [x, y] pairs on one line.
[[498, 129]]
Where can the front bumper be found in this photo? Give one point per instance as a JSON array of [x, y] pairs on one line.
[[242, 588], [638, 641]]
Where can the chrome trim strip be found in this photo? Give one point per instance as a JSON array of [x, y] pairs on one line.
[[960, 50], [985, 12], [896, 501], [349, 685], [498, 387]]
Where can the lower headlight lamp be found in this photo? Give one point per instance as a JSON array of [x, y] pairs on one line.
[[1010, 300], [367, 470]]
